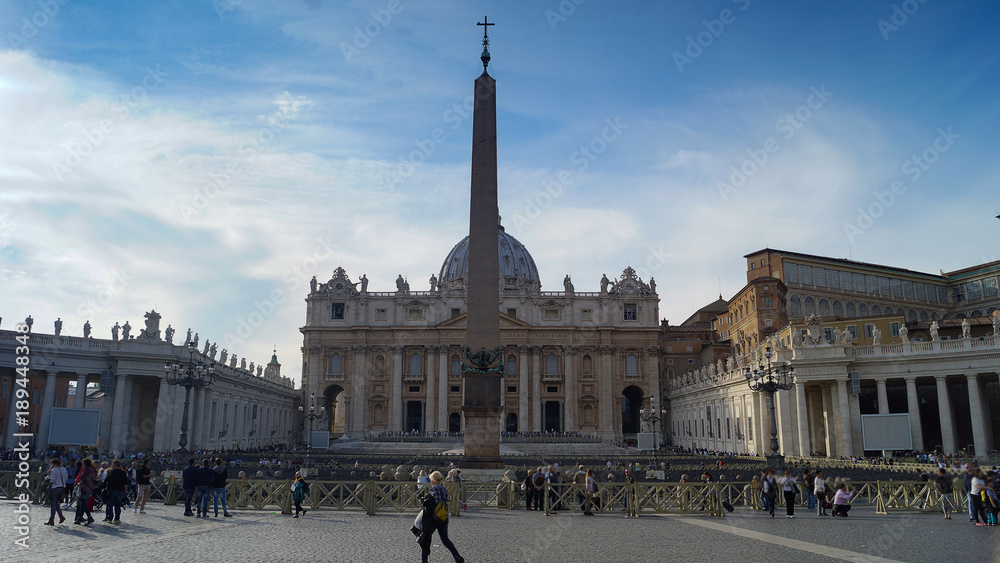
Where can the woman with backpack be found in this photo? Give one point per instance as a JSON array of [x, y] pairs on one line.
[[769, 490], [436, 518], [790, 488]]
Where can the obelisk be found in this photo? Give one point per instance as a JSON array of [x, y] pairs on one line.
[[482, 370]]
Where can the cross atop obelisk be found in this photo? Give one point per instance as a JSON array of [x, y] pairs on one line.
[[482, 370], [485, 57]]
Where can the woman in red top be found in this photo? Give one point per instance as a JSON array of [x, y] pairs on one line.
[[85, 483]]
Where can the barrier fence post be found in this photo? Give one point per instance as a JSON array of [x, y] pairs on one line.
[[170, 498]]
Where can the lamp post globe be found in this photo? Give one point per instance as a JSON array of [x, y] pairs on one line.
[[196, 374], [769, 379]]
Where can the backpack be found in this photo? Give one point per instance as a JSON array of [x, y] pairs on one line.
[[440, 512]]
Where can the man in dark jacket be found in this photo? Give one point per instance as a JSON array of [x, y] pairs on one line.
[[529, 487], [116, 483], [190, 481], [205, 479], [219, 486]]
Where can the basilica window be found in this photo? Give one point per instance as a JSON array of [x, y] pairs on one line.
[[631, 366], [551, 314], [512, 313], [511, 364], [381, 314], [455, 311], [416, 314], [456, 366], [588, 365], [337, 311], [588, 314], [631, 312], [336, 365], [416, 364], [551, 364]]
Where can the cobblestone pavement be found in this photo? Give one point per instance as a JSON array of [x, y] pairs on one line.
[[163, 534]]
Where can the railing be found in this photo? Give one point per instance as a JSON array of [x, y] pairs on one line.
[[632, 499]]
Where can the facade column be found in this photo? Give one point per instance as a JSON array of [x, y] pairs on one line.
[[205, 435], [653, 366], [802, 411], [786, 438], [883, 398], [80, 400], [396, 401], [523, 414], [118, 416], [359, 393], [947, 419], [913, 407], [829, 423], [48, 397], [536, 388], [976, 413], [11, 427], [572, 394], [846, 435], [430, 393], [444, 374]]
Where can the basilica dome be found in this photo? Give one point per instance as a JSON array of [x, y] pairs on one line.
[[517, 267]]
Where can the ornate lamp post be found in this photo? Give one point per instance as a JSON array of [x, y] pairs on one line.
[[770, 379], [195, 374], [651, 417], [313, 415]]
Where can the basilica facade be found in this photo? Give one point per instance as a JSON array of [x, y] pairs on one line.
[[390, 361]]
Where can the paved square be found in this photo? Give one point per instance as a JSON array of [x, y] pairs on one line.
[[490, 535]]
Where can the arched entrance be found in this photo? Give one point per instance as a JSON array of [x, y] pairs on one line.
[[335, 411], [631, 403], [454, 422], [511, 425]]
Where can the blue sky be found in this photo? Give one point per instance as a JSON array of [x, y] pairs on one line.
[[208, 158]]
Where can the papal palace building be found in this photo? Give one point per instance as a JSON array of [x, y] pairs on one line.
[[863, 339], [123, 378], [390, 360]]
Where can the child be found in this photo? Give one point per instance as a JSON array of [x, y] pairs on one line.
[[990, 502]]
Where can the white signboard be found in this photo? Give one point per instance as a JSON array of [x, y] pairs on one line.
[[74, 427], [646, 442], [320, 440]]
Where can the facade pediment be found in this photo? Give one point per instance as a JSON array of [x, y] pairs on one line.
[[506, 322]]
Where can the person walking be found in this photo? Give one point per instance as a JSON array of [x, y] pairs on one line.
[[629, 492], [430, 522], [189, 479], [591, 492], [809, 481], [528, 486], [790, 489], [970, 472], [990, 502], [85, 484], [977, 486], [205, 479], [219, 487], [57, 484], [143, 477], [133, 485], [539, 483], [579, 483], [299, 491], [819, 490], [116, 483], [943, 486], [552, 479], [769, 490], [840, 501]]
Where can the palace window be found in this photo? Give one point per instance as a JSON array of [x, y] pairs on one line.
[[631, 312], [838, 308], [795, 304], [869, 330], [894, 329], [416, 364], [336, 365], [853, 329], [896, 286], [337, 311], [631, 366], [989, 287]]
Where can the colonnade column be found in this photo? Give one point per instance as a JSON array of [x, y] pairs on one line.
[[976, 412], [430, 407], [829, 423], [571, 395], [396, 402], [846, 435], [802, 419], [162, 427], [48, 397], [944, 409], [443, 375], [883, 399], [80, 400], [118, 420], [12, 426], [913, 407], [523, 414]]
